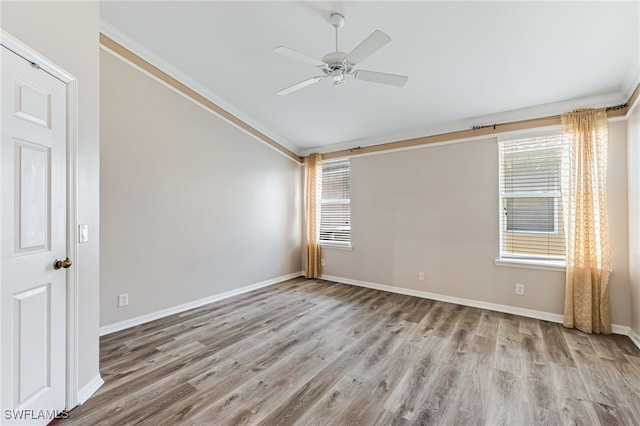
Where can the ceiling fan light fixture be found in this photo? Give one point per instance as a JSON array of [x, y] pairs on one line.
[[337, 64]]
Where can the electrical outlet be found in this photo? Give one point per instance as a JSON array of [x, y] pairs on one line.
[[123, 300], [421, 276], [520, 289], [322, 263]]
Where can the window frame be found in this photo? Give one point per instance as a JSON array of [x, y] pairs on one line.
[[534, 261], [335, 201]]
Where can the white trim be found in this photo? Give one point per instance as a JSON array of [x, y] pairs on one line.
[[632, 108], [89, 389], [617, 118], [12, 43], [546, 316], [122, 325], [531, 264], [172, 71], [144, 53], [333, 245], [632, 82], [72, 244], [635, 337], [620, 329], [529, 313], [354, 154], [498, 134], [192, 100], [529, 113], [71, 82]]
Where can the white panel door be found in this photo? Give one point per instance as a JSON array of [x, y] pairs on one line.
[[33, 203]]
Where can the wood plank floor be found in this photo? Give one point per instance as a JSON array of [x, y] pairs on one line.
[[313, 352]]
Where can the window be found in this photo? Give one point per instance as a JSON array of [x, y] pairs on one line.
[[531, 224], [335, 207]]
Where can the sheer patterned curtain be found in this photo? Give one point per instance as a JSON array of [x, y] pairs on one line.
[[584, 196], [313, 182]]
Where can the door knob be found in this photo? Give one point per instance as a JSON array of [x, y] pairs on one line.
[[59, 264]]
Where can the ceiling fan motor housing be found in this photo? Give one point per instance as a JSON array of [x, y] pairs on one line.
[[335, 60]]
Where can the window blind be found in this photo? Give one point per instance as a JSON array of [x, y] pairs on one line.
[[531, 224], [335, 208]]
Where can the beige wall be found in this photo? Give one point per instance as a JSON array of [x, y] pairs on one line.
[[435, 209], [633, 147], [619, 224], [191, 206], [67, 34]]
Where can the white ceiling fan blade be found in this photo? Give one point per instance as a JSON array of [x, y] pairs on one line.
[[294, 54], [300, 85], [369, 46], [381, 77]]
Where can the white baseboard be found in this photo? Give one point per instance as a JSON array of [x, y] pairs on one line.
[[89, 389], [620, 329], [112, 328], [530, 313], [635, 337]]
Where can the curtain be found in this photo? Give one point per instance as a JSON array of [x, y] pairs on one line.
[[584, 196], [313, 182]]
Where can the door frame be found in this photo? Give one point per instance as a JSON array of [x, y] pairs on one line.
[[71, 82]]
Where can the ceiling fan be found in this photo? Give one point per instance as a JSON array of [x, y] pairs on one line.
[[336, 65]]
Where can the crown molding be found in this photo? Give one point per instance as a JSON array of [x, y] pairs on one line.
[[518, 119], [453, 128], [172, 71]]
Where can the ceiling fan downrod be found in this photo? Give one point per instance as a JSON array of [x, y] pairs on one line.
[[335, 60]]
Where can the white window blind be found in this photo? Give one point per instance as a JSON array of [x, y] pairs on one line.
[[531, 224], [335, 208]]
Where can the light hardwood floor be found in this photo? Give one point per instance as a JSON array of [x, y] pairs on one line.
[[312, 352]]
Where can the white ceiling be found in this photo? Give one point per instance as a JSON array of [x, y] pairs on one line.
[[468, 62]]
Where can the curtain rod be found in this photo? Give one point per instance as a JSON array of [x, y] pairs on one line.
[[611, 108]]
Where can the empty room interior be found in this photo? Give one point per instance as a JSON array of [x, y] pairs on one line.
[[320, 213]]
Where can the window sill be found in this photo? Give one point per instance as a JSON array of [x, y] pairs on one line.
[[335, 246], [547, 265]]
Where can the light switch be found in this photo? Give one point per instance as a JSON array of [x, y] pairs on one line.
[[83, 233]]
